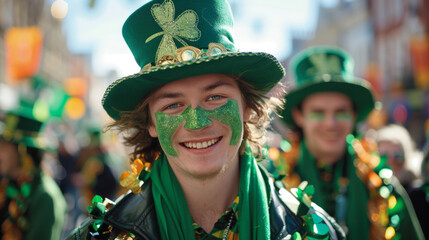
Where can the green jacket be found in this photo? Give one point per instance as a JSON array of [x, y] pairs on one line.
[[46, 211], [357, 197]]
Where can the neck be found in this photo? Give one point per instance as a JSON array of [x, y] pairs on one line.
[[209, 198], [327, 158]]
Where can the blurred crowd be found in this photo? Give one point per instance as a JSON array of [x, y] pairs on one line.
[[41, 175], [83, 172]]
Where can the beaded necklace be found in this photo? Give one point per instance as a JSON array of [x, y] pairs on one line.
[[225, 235]]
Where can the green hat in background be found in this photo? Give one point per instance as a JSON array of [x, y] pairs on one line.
[[327, 69], [20, 127], [175, 39]]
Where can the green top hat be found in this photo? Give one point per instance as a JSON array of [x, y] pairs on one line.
[[20, 127], [171, 40], [327, 69]]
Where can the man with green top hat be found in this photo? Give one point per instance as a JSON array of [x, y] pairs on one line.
[[32, 205], [195, 115], [351, 182]]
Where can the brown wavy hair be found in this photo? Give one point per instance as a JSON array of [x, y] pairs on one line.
[[134, 124]]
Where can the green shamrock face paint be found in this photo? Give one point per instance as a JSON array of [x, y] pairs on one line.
[[320, 117], [228, 114]]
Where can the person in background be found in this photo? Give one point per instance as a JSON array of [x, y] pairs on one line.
[[93, 174], [396, 146], [195, 117], [68, 148], [32, 205], [350, 181]]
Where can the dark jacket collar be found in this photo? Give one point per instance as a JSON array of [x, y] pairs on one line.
[[136, 213]]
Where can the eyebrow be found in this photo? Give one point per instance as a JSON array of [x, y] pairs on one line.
[[205, 89], [167, 95], [321, 109], [216, 85]]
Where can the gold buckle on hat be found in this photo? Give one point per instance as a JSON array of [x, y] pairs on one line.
[[166, 59], [188, 53], [215, 49]]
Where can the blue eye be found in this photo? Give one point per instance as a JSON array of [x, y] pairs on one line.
[[214, 97], [175, 105]]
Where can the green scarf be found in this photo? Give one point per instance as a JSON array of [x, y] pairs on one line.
[[357, 196], [172, 211]]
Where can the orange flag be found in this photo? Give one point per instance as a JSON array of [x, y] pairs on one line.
[[23, 50]]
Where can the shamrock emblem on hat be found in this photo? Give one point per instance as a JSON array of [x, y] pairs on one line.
[[324, 64], [184, 26]]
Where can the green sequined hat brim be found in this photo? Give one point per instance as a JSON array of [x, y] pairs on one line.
[[358, 90], [261, 70]]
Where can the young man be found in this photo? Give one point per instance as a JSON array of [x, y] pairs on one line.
[[31, 204], [195, 115], [351, 182]]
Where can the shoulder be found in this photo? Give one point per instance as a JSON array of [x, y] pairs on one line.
[[82, 231], [131, 214], [47, 192], [130, 210]]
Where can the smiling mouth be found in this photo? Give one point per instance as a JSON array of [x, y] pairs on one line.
[[201, 145], [331, 136]]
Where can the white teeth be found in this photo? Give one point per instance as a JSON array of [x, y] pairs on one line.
[[200, 145]]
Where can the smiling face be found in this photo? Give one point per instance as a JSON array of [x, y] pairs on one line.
[[199, 123], [326, 119]]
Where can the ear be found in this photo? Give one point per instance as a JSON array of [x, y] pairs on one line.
[[246, 114], [152, 131], [298, 117]]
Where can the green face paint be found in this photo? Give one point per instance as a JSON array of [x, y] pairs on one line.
[[316, 117], [320, 117], [228, 114], [343, 116]]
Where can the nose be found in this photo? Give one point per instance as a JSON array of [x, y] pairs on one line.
[[330, 120], [196, 118]]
